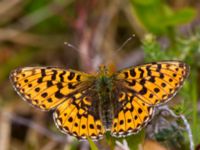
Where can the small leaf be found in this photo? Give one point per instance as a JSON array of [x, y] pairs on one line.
[[180, 17], [146, 2], [135, 140], [92, 145]]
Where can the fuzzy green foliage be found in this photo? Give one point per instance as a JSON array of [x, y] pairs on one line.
[[55, 24], [157, 17], [187, 50], [173, 137]]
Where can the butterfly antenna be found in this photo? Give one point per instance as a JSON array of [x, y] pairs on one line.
[[72, 46], [128, 40]]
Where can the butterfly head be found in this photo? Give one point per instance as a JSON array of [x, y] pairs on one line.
[[103, 71]]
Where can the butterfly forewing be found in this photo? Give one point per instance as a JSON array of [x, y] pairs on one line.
[[141, 88], [44, 87], [154, 83]]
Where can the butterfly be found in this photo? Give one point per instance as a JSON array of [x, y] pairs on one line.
[[88, 105]]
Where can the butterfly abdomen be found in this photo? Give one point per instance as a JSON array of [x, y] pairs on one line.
[[104, 87], [106, 111]]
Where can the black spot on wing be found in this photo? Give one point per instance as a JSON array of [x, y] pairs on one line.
[[49, 100], [59, 95], [148, 70], [142, 81], [132, 72], [61, 76], [71, 86], [44, 95], [71, 75], [159, 66], [143, 91], [163, 84], [152, 79], [139, 110], [156, 90], [60, 85], [70, 119], [40, 80], [121, 122], [78, 77], [91, 126], [49, 83], [141, 72], [37, 89], [53, 77], [43, 72], [132, 83], [126, 74], [161, 75]]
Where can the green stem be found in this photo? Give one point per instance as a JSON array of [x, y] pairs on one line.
[[194, 97]]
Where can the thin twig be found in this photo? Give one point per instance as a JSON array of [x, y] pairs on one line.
[[186, 123], [37, 127], [84, 51], [133, 19], [188, 128], [32, 20], [100, 31], [10, 9], [36, 17], [49, 146], [5, 129], [104, 22], [30, 39]]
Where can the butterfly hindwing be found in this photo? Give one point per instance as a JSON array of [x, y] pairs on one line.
[[140, 89], [79, 117], [132, 116]]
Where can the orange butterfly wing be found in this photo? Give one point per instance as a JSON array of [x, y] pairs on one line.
[[68, 92], [140, 89]]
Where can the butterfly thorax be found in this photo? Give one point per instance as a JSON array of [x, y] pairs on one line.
[[104, 87]]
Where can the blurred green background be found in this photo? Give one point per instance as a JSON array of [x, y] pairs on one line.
[[33, 33]]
